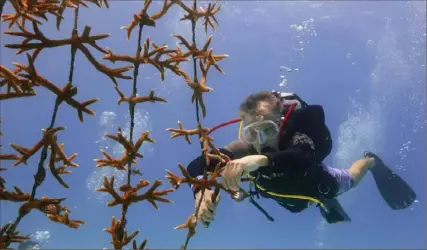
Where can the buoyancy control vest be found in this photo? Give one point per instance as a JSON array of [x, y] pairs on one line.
[[307, 119], [307, 184]]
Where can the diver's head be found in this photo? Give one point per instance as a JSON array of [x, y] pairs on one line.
[[261, 115]]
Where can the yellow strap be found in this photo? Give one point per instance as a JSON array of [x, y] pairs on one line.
[[292, 196], [240, 130], [300, 197]]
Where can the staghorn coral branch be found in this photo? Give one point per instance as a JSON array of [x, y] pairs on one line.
[[209, 14], [111, 73], [140, 19], [44, 205], [138, 99], [64, 219], [117, 241], [31, 10], [190, 224], [166, 5], [57, 154], [130, 193], [204, 138], [154, 57], [9, 157], [9, 235], [119, 164], [128, 145], [62, 157], [141, 247], [51, 208], [21, 87], [47, 140], [76, 42], [17, 196], [206, 59], [100, 3], [194, 15], [45, 42], [203, 53], [6, 96], [176, 181], [186, 132], [64, 94], [207, 142], [144, 19], [131, 150], [75, 4]]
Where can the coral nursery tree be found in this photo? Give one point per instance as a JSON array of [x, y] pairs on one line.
[[23, 80]]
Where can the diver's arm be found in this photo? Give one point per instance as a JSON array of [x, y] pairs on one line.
[[301, 154], [234, 150]]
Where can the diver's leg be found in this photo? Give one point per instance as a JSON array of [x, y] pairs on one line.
[[342, 177], [359, 169], [334, 212]]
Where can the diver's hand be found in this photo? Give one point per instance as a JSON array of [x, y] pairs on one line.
[[207, 209], [235, 169]]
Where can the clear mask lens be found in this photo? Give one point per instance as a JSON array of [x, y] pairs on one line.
[[260, 132]]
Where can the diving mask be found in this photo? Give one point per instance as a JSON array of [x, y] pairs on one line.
[[260, 132]]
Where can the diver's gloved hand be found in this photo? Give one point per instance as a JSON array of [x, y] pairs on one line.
[[207, 209], [236, 169]]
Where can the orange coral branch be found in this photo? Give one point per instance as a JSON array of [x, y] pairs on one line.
[[31, 10], [153, 57], [186, 132], [9, 235], [76, 42], [56, 155], [176, 181], [64, 219], [141, 247], [9, 157], [131, 150], [130, 193], [75, 4], [145, 19], [17, 196], [64, 94], [119, 164], [48, 139], [190, 224], [21, 87], [117, 241], [138, 99], [207, 59], [194, 15], [52, 209]]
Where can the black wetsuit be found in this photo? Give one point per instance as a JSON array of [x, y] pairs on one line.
[[295, 169]]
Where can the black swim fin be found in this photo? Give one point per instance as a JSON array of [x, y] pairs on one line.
[[334, 212], [394, 190]]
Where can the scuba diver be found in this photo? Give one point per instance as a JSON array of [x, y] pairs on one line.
[[283, 145]]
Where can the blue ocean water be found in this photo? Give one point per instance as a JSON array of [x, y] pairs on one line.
[[364, 62]]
